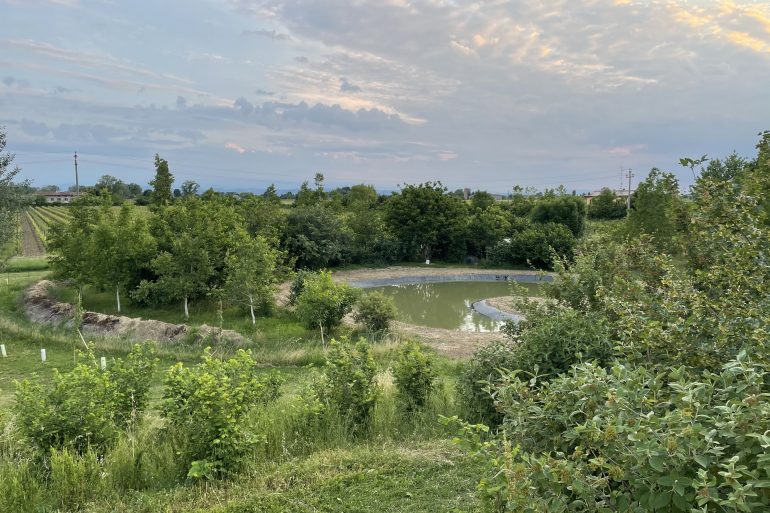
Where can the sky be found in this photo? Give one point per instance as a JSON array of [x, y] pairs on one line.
[[238, 94]]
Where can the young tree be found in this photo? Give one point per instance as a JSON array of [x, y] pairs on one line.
[[71, 244], [162, 183], [12, 197], [183, 272], [657, 208], [125, 247], [251, 273], [323, 302]]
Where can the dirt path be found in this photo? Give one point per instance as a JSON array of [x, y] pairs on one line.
[[31, 245]]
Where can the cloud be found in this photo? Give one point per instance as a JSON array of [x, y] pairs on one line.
[[269, 34], [347, 87], [235, 147]]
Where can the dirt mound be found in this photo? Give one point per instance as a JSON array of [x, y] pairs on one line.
[[42, 309]]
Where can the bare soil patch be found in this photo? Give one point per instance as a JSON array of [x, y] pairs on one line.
[[31, 245], [42, 309]]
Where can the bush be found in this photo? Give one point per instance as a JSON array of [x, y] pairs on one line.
[[131, 377], [551, 339], [348, 385], [414, 375], [535, 245], [324, 302], [298, 285], [86, 407], [482, 370], [207, 407], [627, 439], [569, 211], [375, 311]]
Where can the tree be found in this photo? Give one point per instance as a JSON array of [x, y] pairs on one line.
[[183, 272], [251, 273], [305, 197], [323, 303], [271, 195], [125, 248], [427, 221], [657, 208], [73, 253], [315, 237], [361, 197], [482, 200], [189, 188], [486, 228], [607, 206], [12, 197], [567, 210], [162, 183]]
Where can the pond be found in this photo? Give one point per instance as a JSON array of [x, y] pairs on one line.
[[448, 305]]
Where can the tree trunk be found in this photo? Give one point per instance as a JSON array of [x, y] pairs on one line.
[[186, 310], [251, 309], [117, 296]]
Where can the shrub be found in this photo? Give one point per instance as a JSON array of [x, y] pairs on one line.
[[76, 411], [483, 369], [375, 311], [324, 302], [535, 245], [414, 375], [553, 338], [627, 439], [349, 386], [131, 378], [207, 406], [85, 407]]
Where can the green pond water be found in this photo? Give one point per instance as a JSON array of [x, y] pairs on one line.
[[448, 304]]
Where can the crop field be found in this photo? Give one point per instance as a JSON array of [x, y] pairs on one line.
[[35, 223]]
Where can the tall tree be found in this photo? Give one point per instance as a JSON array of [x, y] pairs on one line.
[[162, 183], [71, 245], [427, 220], [251, 274], [189, 188]]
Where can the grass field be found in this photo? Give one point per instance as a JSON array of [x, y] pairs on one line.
[[401, 466]]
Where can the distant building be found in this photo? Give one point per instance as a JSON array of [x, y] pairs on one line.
[[466, 194], [620, 193], [59, 197]]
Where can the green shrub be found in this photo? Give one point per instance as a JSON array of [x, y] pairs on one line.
[[323, 302], [375, 311], [483, 369], [349, 386], [86, 407], [131, 378], [627, 439], [553, 338], [414, 375], [76, 411], [207, 405], [535, 245]]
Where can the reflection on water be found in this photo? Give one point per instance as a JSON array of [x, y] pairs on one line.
[[448, 305]]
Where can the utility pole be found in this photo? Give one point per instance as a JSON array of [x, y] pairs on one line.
[[629, 175], [77, 180]]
